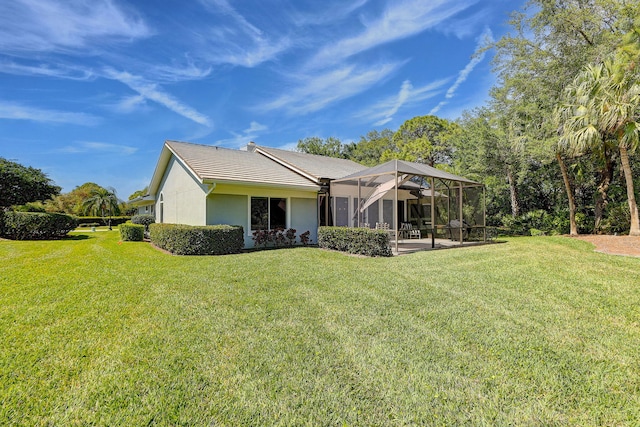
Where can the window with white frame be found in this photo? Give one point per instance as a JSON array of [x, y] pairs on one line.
[[268, 213]]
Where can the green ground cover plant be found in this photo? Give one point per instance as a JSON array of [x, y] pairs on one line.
[[534, 331]]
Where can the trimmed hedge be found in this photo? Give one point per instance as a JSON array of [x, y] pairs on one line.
[[115, 220], [194, 240], [36, 225], [361, 241], [131, 232]]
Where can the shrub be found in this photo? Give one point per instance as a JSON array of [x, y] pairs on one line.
[[145, 219], [131, 232], [115, 220], [276, 238], [362, 241], [198, 240], [36, 225], [305, 238], [618, 218]]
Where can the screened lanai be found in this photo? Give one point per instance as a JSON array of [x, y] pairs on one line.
[[410, 200]]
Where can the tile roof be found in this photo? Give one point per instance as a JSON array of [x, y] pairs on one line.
[[224, 164], [316, 166]]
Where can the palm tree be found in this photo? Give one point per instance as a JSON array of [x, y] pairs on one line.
[[101, 200], [603, 106]]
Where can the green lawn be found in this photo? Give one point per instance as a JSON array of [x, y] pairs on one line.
[[535, 331]]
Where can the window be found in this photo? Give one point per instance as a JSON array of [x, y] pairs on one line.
[[161, 208], [341, 205], [268, 213], [373, 214], [387, 211]]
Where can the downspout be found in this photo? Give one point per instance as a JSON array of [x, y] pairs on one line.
[[211, 187]]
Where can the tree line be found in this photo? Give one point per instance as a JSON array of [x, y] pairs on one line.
[[556, 144]]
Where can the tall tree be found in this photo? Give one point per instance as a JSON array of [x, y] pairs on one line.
[[423, 139], [551, 42], [23, 184], [330, 147], [103, 201], [603, 104], [371, 147]]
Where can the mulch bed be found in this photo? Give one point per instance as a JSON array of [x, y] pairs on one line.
[[614, 245]]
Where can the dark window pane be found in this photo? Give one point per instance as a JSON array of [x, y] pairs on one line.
[[342, 211], [259, 213], [278, 213]]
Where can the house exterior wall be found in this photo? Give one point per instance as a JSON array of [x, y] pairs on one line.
[[180, 198], [304, 216], [231, 204], [145, 209]]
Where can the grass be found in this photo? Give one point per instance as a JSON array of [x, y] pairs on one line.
[[536, 331]]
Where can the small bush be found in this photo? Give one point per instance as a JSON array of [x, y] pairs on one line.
[[193, 240], [145, 219], [131, 232], [36, 225], [274, 238], [362, 241], [115, 220]]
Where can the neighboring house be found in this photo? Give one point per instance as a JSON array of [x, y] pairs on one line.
[[268, 188]]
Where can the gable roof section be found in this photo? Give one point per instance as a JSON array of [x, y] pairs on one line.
[[311, 165], [208, 163]]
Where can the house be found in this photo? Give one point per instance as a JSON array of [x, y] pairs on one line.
[[258, 188], [268, 188]]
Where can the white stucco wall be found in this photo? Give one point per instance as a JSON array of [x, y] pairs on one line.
[[183, 197]]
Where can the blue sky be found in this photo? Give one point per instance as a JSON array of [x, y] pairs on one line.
[[90, 89]]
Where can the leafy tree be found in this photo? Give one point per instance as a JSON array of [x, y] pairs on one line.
[[139, 193], [103, 201], [72, 202], [371, 147], [21, 184], [330, 147], [550, 44], [423, 139], [603, 105]]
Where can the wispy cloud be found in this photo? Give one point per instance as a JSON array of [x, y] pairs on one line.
[[485, 38], [54, 25], [98, 147], [382, 112], [14, 111], [153, 92], [317, 91], [400, 20], [240, 42], [47, 70], [244, 137], [327, 13]]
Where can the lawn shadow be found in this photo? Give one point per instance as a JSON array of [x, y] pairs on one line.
[[77, 237]]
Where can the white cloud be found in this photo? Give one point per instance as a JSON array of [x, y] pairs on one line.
[[244, 137], [57, 71], [400, 20], [56, 25], [315, 92], [463, 75], [407, 95], [14, 111], [95, 147], [240, 42], [327, 13], [153, 92]]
